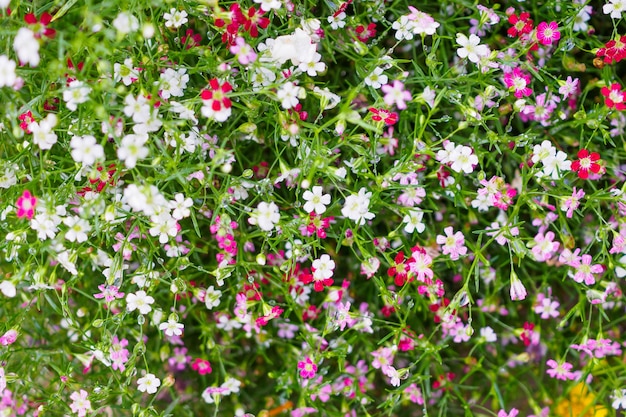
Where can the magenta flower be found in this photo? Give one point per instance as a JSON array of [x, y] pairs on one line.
[[307, 368], [547, 33], [396, 94], [519, 81], [26, 205]]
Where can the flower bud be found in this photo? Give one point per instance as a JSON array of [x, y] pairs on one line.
[[518, 291]]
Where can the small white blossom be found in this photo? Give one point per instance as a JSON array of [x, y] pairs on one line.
[[149, 384], [86, 150], [175, 18], [316, 200], [266, 216]]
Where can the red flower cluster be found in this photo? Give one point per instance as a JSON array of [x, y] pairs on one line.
[[250, 21], [40, 26], [365, 33], [390, 118], [614, 50]]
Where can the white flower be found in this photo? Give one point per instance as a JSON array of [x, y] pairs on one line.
[[125, 23], [139, 301], [413, 221], [543, 151], [175, 18], [44, 226], [180, 206], [266, 216], [328, 100], [7, 288], [324, 268], [463, 159], [77, 229], [297, 47], [173, 82], [429, 95], [43, 136], [356, 207], [26, 47], [337, 22], [316, 200], [125, 72], [149, 384], [614, 8], [554, 165], [64, 259], [314, 66], [404, 28], [267, 5], [137, 108], [471, 48], [376, 79], [86, 150], [76, 93], [288, 94], [7, 72], [164, 226], [231, 386], [212, 297], [488, 334], [172, 328], [132, 149], [619, 399]]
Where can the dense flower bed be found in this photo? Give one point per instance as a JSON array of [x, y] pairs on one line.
[[277, 207]]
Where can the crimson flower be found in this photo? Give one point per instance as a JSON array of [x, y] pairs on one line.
[[613, 51], [365, 33], [399, 270], [390, 118], [216, 96], [615, 97], [254, 20], [40, 27], [521, 24], [201, 366], [587, 161], [190, 39]]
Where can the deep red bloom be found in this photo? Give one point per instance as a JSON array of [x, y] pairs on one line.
[[613, 51], [390, 118], [254, 20], [614, 97], [586, 162], [399, 270], [25, 120], [104, 177], [521, 24], [365, 33], [190, 39], [217, 94], [40, 27]]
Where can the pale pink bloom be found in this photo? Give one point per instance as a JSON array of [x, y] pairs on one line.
[[453, 243], [396, 94]]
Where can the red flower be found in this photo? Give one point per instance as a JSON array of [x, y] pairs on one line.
[[613, 51], [615, 97], [253, 20], [103, 177], [25, 120], [190, 39], [40, 27], [399, 270], [217, 95], [390, 118], [521, 24], [365, 33], [587, 162]]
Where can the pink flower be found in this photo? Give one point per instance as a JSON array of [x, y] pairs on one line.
[[307, 368], [585, 271], [560, 370], [8, 338], [513, 413], [396, 94], [547, 33], [519, 81], [453, 243], [545, 246], [26, 205], [81, 404], [244, 52], [572, 203], [201, 366], [109, 293]]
